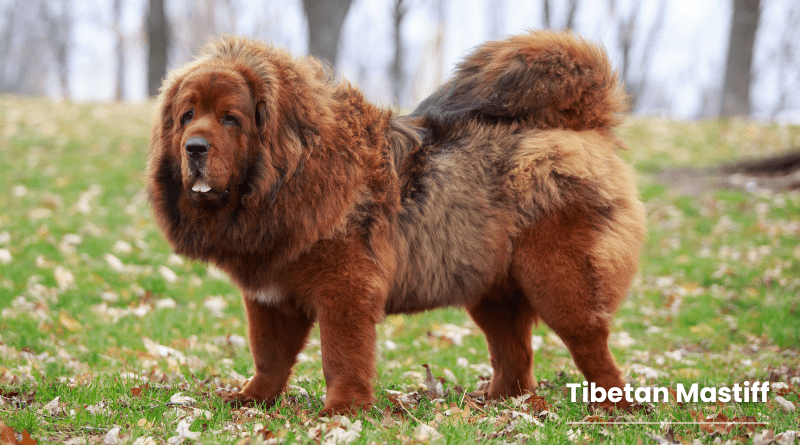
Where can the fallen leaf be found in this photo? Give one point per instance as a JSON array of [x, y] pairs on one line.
[[63, 277], [7, 435], [136, 391], [764, 437], [122, 247], [99, 408], [114, 262], [158, 350], [216, 305], [5, 256], [27, 439], [473, 403], [532, 403], [785, 404], [69, 323], [574, 435], [425, 433], [750, 423], [455, 334], [180, 400], [52, 408], [781, 388], [168, 274], [112, 436], [183, 433], [667, 439], [435, 389], [526, 417]]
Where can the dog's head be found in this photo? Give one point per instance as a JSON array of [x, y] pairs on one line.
[[216, 124], [232, 126]]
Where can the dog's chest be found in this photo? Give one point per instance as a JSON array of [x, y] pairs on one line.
[[271, 294]]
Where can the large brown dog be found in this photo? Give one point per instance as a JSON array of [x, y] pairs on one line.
[[502, 193]]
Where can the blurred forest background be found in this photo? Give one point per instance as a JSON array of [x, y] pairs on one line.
[[685, 59]]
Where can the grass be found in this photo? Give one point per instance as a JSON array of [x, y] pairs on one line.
[[102, 326]]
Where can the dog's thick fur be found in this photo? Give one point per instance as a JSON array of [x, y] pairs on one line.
[[502, 193]]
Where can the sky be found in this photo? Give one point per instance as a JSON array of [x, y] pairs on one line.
[[684, 76]]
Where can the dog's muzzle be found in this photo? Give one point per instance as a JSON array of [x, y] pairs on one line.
[[197, 152]]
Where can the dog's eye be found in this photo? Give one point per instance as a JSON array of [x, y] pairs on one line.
[[230, 120], [187, 117]]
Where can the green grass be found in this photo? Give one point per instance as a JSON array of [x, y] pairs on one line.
[[87, 296]]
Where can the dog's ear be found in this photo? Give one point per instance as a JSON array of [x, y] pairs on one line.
[[163, 168], [261, 117], [165, 121]]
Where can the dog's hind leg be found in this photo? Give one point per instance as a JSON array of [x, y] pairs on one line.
[[506, 317], [575, 271]]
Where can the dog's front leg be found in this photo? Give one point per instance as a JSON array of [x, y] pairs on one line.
[[347, 334], [343, 284], [277, 333]]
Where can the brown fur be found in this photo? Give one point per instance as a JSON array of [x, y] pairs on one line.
[[502, 193]]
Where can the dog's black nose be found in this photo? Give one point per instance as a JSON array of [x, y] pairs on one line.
[[197, 146]]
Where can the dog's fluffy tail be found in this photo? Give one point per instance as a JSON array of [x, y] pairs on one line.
[[541, 79]]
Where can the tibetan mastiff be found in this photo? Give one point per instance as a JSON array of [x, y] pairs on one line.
[[503, 192]]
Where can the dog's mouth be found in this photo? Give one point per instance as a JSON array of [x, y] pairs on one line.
[[204, 194], [201, 185]]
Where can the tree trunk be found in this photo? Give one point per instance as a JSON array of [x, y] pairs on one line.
[[158, 37], [736, 92], [573, 8], [61, 46], [546, 22], [325, 20], [56, 19], [569, 19], [119, 91], [398, 76]]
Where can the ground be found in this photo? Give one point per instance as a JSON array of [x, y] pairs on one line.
[[105, 335]]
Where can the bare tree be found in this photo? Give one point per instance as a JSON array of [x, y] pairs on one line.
[[569, 19], [398, 76], [325, 20], [438, 44], [59, 25], [635, 47], [158, 37], [16, 55], [788, 69], [429, 71], [198, 21], [546, 20], [35, 40], [573, 8], [738, 68], [119, 90]]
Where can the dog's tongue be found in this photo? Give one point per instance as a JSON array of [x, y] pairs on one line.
[[201, 185]]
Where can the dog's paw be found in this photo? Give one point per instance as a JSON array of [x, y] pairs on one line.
[[236, 399], [344, 410]]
